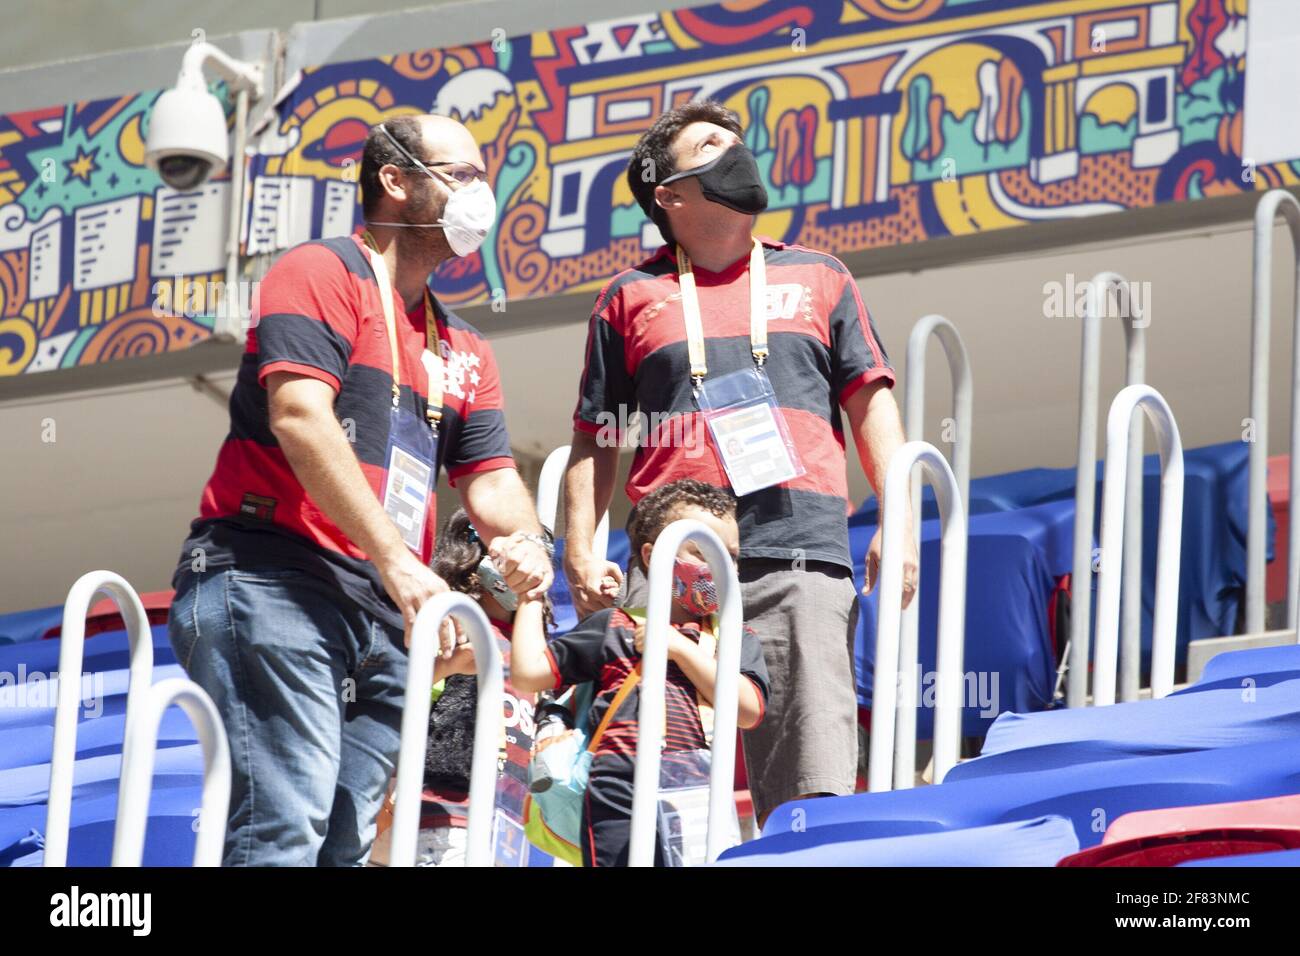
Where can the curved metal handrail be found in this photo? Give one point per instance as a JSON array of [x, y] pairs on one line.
[[959, 368], [1276, 202], [489, 718], [952, 614], [654, 667], [1085, 492], [550, 488], [71, 655], [1114, 529], [137, 773]]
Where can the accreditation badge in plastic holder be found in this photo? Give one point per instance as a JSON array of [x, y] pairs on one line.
[[749, 430], [684, 809], [412, 445]]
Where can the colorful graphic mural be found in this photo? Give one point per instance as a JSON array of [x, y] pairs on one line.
[[875, 122], [91, 241]]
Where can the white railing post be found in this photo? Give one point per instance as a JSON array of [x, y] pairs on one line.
[[914, 422], [550, 489], [71, 654], [952, 614], [1276, 202], [654, 664], [1113, 530], [137, 773], [489, 718], [1085, 489]]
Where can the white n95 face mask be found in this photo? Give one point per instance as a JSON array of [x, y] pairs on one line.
[[469, 215]]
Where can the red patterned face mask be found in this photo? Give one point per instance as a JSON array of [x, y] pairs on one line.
[[694, 588]]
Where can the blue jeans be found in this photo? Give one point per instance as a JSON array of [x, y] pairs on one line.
[[310, 688]]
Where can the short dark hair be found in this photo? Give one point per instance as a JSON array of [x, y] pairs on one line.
[[652, 158], [654, 512], [380, 152], [456, 558]]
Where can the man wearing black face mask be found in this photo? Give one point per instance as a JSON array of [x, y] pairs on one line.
[[739, 352], [301, 578]]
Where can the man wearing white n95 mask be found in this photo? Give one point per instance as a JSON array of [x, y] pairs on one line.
[[300, 580]]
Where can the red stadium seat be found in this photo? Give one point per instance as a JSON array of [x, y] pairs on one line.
[[104, 615], [1279, 497], [1178, 834]]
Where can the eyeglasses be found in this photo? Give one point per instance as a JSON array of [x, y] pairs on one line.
[[463, 173]]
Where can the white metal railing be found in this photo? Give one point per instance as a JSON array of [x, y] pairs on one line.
[[654, 664], [952, 614], [959, 368], [137, 773], [1085, 491], [1114, 528], [1275, 203], [71, 655], [550, 489], [489, 719]]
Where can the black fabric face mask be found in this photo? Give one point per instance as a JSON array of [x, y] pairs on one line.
[[731, 180]]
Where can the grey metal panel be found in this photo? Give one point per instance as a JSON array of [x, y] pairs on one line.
[[359, 38], [116, 74]]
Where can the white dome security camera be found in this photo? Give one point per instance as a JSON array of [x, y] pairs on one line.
[[187, 141]]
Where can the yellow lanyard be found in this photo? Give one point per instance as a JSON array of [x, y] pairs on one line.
[[431, 338], [691, 311]]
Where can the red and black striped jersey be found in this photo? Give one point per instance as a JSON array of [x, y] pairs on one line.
[[318, 313], [602, 649], [823, 347]]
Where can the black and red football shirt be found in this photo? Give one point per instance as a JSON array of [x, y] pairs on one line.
[[823, 348], [318, 313]]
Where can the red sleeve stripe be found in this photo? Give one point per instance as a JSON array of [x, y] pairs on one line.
[[866, 378], [474, 467], [550, 659], [297, 368]]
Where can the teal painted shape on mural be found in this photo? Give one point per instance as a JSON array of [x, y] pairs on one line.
[[625, 222], [1095, 137], [658, 46], [756, 137], [521, 160], [817, 190], [972, 156], [104, 174], [1199, 109], [72, 357], [916, 131]]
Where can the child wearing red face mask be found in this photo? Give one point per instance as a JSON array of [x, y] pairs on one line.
[[606, 648]]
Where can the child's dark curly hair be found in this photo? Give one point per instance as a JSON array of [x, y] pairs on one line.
[[655, 511], [457, 555]]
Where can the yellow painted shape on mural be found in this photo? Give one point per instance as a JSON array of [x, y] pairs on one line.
[[856, 41], [952, 71], [681, 39], [564, 152], [853, 164], [542, 46], [774, 223], [11, 362], [487, 125], [532, 99], [1116, 103], [130, 144], [966, 206], [851, 14], [1172, 55], [315, 126], [788, 92]]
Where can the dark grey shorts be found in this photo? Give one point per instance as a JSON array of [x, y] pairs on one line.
[[808, 740]]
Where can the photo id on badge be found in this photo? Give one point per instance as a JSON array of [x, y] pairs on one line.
[[411, 448], [749, 431]]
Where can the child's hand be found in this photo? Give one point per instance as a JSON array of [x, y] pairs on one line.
[[461, 662], [609, 587], [675, 641]]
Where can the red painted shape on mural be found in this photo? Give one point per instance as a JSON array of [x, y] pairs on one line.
[[1206, 20], [551, 120], [715, 34], [623, 36]]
